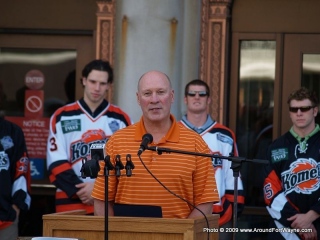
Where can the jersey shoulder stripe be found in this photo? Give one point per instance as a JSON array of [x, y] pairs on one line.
[[217, 127], [117, 113], [67, 110]]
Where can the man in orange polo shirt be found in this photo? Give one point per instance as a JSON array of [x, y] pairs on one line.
[[191, 177]]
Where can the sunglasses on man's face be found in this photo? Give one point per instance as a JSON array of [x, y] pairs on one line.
[[200, 93], [302, 109]]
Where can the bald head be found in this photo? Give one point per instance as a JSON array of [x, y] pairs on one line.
[[154, 75]]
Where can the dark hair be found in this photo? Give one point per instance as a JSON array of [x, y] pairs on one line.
[[304, 93], [197, 82], [99, 65]]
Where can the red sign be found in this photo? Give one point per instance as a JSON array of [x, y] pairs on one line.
[[33, 107], [36, 133], [34, 79]]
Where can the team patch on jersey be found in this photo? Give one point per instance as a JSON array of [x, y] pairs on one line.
[[279, 154], [6, 142], [114, 126], [4, 161], [92, 135], [303, 176], [23, 164], [216, 162], [224, 138], [71, 125]]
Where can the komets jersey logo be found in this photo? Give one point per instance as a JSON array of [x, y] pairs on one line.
[[81, 148], [303, 176]]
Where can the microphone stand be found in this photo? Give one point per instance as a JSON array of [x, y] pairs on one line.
[[107, 167], [91, 169], [235, 166]]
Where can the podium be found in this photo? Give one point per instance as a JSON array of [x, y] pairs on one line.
[[75, 224]]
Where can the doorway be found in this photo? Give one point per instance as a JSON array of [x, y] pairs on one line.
[[301, 67], [265, 68], [55, 56]]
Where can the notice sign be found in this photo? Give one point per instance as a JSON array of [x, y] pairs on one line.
[[36, 133]]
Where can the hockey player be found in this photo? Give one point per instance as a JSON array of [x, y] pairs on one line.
[[221, 141], [15, 178], [291, 186], [73, 129]]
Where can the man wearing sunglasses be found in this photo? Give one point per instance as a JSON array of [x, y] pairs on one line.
[[291, 185], [221, 141]]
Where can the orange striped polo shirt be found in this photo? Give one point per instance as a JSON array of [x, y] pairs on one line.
[[190, 177]]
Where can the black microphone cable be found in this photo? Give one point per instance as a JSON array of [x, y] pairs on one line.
[[174, 194]]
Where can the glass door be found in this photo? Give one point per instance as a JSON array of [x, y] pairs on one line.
[[301, 67], [265, 69]]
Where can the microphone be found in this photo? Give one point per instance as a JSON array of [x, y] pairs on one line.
[[146, 139], [118, 166], [91, 168], [97, 151], [107, 165], [129, 165]]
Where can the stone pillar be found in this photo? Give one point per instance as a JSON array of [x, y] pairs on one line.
[[105, 34], [214, 52]]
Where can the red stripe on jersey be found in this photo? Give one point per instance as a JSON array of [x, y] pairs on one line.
[[4, 224], [61, 168], [66, 108], [76, 206], [113, 108], [240, 199]]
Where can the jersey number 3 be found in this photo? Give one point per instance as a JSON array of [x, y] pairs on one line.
[[54, 146]]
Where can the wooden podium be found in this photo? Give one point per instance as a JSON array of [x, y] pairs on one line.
[[75, 224]]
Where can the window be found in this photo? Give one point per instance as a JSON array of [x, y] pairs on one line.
[[57, 67], [255, 112]]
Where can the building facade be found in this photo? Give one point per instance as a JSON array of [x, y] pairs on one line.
[[251, 53]]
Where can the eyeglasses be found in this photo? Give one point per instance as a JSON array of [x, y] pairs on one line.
[[200, 93], [302, 109]]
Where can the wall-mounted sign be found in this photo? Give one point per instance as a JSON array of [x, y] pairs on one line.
[[33, 107], [34, 79]]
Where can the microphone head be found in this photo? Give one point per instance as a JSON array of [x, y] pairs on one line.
[[97, 151], [147, 136], [146, 139], [90, 169]]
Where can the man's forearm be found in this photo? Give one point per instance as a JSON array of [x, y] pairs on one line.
[[312, 215]]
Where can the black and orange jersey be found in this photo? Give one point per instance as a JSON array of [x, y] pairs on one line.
[[292, 179], [14, 172], [73, 129]]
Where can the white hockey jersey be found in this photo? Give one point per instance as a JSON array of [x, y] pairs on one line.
[[73, 129], [221, 141]]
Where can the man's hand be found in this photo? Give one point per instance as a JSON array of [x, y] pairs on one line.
[[300, 221], [309, 236], [16, 209], [84, 192], [304, 221]]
